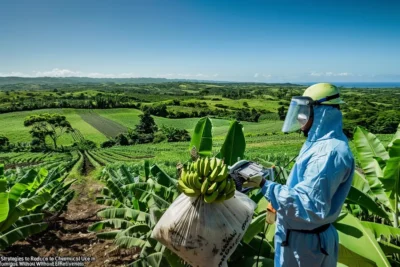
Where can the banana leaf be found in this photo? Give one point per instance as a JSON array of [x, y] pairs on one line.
[[360, 198], [116, 190], [256, 226], [129, 242], [4, 206], [361, 183], [162, 177], [153, 194], [395, 137], [49, 187], [110, 235], [391, 179], [17, 190], [135, 231], [388, 247], [34, 201], [12, 218], [111, 223], [6, 239], [369, 148], [28, 177], [108, 202], [379, 230], [356, 239], [394, 149], [348, 258], [125, 213], [234, 145], [29, 219], [202, 137], [62, 202], [127, 176]]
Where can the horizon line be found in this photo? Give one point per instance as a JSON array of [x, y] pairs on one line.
[[180, 79]]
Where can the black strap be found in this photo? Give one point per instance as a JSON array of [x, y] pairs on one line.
[[330, 97], [317, 231]]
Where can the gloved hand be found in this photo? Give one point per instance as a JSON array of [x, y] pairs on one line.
[[255, 181]]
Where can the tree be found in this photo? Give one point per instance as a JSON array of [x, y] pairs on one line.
[[146, 124], [51, 125], [281, 113]]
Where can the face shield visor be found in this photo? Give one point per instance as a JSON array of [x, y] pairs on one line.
[[299, 113]]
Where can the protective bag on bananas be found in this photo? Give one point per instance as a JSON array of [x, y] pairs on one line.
[[204, 234]]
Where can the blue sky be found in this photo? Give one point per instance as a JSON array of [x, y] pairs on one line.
[[265, 41]]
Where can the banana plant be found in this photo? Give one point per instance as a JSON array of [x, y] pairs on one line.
[[27, 198], [379, 176], [53, 182], [134, 206], [15, 221]]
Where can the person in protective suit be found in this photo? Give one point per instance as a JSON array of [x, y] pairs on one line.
[[318, 183]]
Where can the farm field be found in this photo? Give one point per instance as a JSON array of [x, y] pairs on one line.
[[106, 126], [97, 124], [13, 126]]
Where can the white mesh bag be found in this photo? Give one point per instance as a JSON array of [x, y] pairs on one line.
[[204, 235]]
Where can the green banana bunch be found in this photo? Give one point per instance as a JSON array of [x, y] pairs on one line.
[[207, 178]]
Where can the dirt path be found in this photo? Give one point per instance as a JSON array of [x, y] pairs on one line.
[[68, 236]]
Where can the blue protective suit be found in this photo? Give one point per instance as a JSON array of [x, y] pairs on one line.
[[314, 194]]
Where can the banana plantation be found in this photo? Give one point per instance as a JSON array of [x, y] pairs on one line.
[[135, 193]]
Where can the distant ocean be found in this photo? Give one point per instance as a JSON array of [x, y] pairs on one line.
[[363, 84]]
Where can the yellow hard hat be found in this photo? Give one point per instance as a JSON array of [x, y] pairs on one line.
[[326, 93]]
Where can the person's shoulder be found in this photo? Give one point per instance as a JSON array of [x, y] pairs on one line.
[[341, 150]]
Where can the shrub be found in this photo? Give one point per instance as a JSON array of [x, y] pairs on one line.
[[108, 143], [159, 137], [122, 140], [174, 134]]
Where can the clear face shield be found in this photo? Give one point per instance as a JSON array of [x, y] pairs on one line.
[[299, 113]]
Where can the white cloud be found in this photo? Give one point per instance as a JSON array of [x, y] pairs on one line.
[[256, 75], [267, 76], [13, 74], [69, 73], [330, 74], [186, 75]]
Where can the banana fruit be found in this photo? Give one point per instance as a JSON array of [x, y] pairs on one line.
[[207, 178]]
